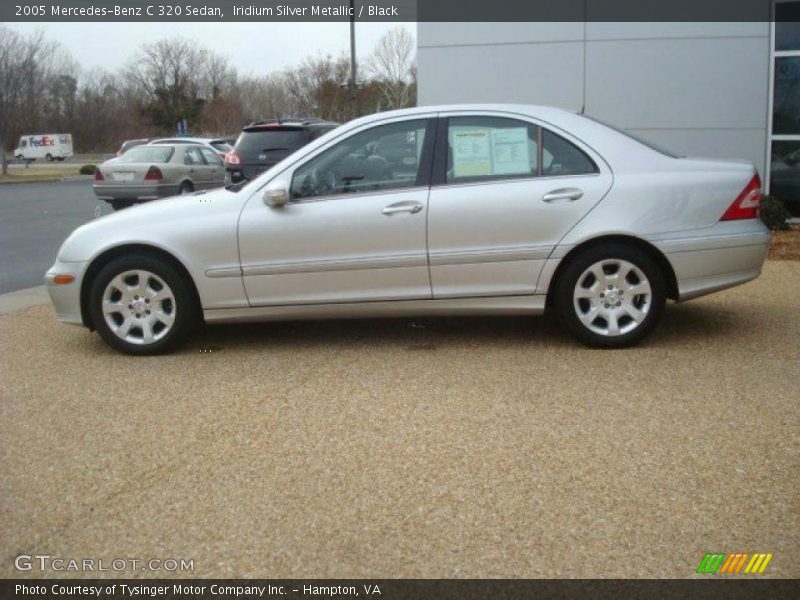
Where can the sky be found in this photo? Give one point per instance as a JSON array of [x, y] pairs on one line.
[[255, 48]]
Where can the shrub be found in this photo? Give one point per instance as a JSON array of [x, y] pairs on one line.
[[87, 169], [774, 214]]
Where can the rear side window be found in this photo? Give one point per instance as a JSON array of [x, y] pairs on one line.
[[560, 157], [485, 148], [192, 156], [492, 148], [211, 157]]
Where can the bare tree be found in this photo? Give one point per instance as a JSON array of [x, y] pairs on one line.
[[168, 73], [392, 67], [22, 62]]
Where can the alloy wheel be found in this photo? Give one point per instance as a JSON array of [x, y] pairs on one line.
[[139, 307], [612, 297]]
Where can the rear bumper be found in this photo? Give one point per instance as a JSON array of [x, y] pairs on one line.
[[731, 254], [152, 191], [66, 298]]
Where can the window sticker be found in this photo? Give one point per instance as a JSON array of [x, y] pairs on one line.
[[511, 153], [471, 152]]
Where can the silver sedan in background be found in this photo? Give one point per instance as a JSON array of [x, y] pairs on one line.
[[435, 210], [154, 171]]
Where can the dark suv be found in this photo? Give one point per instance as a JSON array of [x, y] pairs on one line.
[[265, 143]]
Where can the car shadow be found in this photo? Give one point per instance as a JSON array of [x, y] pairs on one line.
[[681, 323]]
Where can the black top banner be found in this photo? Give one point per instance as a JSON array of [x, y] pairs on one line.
[[399, 589], [386, 10]]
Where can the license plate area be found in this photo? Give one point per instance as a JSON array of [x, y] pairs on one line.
[[123, 176]]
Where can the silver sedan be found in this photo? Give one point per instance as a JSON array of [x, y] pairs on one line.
[[450, 210], [150, 172]]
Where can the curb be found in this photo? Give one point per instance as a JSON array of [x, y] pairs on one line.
[[21, 299]]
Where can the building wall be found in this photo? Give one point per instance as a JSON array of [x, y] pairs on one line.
[[694, 88]]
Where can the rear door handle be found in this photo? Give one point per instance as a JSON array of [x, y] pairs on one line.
[[563, 194], [399, 207]]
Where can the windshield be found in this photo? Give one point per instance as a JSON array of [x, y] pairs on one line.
[[635, 138], [149, 154]]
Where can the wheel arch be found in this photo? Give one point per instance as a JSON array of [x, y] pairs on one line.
[[633, 241], [102, 259]]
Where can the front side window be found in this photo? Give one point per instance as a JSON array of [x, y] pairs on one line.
[[381, 158], [482, 148]]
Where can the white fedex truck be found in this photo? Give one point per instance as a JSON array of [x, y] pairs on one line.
[[52, 146]]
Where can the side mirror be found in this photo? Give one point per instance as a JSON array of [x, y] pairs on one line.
[[276, 196]]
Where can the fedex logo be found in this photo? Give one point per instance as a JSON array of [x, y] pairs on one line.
[[45, 140]]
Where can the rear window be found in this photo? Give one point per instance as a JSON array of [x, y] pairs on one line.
[[151, 154], [221, 146], [274, 139]]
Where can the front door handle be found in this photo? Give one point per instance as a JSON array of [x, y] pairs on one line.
[[399, 207], [565, 194]]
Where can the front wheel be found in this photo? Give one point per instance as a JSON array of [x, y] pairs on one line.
[[611, 296], [142, 305], [49, 157]]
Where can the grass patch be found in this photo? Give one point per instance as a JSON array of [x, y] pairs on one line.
[[18, 175]]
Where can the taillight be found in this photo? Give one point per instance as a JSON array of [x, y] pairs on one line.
[[154, 174], [231, 158], [98, 176], [747, 202]]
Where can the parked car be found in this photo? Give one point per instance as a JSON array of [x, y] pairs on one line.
[[152, 171], [266, 143], [128, 144], [219, 145], [510, 210], [50, 146]]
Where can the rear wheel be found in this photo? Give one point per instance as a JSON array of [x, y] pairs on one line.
[[142, 305], [120, 204], [611, 296], [186, 188], [49, 157]]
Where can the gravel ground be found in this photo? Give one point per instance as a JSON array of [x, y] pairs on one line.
[[433, 448]]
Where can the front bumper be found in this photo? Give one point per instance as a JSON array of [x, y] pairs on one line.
[[152, 191], [66, 298]]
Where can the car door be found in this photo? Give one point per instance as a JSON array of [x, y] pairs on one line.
[[505, 190], [196, 166], [355, 227], [215, 168]]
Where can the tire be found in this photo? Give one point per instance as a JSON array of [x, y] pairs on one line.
[[120, 204], [154, 307], [49, 157], [595, 309], [185, 188]]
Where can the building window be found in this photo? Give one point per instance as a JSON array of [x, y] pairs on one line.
[[784, 136]]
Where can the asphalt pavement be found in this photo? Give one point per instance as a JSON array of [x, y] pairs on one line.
[[34, 219]]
